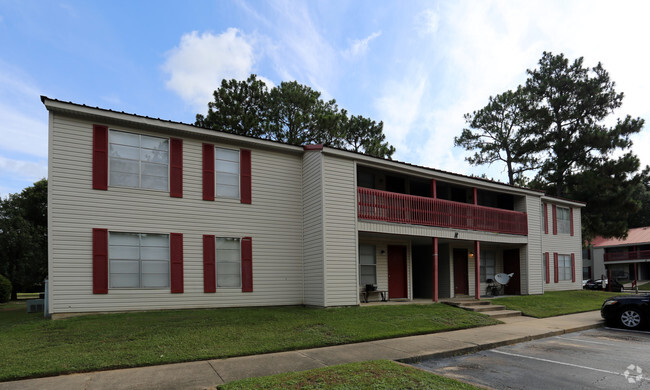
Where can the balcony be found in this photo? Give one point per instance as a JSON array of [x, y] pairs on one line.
[[386, 206], [631, 255]]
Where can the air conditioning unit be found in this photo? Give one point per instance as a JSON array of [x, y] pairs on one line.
[[35, 305]]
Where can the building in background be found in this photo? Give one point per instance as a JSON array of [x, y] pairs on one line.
[[621, 257]]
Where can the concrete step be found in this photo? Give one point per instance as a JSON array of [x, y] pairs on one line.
[[502, 313], [468, 302], [483, 308]]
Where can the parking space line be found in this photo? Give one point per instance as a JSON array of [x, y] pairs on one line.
[[556, 362], [587, 341]]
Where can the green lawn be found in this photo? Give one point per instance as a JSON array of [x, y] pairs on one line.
[[32, 346], [644, 287], [555, 303], [379, 374]]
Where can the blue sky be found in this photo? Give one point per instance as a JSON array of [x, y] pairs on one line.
[[416, 65]]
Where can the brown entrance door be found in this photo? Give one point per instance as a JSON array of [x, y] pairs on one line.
[[397, 272], [511, 265], [460, 272]]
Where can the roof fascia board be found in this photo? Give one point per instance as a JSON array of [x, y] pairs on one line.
[[552, 199], [429, 173], [91, 113]]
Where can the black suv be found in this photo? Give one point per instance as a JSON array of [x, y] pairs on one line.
[[628, 311]]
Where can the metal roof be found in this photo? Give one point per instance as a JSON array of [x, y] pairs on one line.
[[634, 236]]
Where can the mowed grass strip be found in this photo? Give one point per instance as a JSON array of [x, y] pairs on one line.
[[555, 303], [32, 346], [379, 374]]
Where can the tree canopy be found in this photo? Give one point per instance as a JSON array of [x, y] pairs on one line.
[[557, 125], [23, 238], [292, 113]]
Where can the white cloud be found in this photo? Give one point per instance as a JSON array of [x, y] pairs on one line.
[[484, 48], [399, 107], [428, 21], [199, 63], [359, 47], [23, 120], [23, 170]]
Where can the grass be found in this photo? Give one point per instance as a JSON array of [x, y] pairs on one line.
[[555, 303], [644, 287], [379, 374], [32, 346]]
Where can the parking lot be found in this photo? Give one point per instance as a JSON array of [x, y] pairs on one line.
[[593, 359]]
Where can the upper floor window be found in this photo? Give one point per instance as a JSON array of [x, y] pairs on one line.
[[226, 167], [138, 260], [138, 161], [563, 220]]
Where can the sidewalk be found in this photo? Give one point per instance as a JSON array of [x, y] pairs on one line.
[[208, 374]]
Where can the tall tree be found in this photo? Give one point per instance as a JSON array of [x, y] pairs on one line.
[[291, 113], [239, 107], [23, 238], [569, 105], [497, 132], [560, 123]]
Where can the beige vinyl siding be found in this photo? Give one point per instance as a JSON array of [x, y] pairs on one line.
[[313, 245], [531, 257], [341, 259], [563, 244], [273, 220]]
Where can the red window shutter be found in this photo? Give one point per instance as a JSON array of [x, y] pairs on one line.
[[554, 220], [557, 269], [245, 175], [545, 218], [208, 172], [247, 264], [573, 267], [100, 157], [209, 273], [176, 167], [571, 217], [176, 262], [548, 268], [100, 261]]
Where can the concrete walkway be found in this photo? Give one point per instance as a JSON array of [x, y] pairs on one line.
[[208, 374]]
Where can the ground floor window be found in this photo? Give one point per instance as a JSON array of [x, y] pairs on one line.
[[564, 267], [367, 265], [138, 260], [488, 264], [228, 262]]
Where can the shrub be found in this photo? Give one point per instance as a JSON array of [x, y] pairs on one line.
[[5, 289]]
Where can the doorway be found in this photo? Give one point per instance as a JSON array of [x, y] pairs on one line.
[[511, 265], [460, 272], [397, 287]]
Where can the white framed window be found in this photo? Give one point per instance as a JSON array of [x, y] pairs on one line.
[[226, 168], [488, 264], [228, 262], [138, 260], [564, 267], [138, 161], [563, 220], [367, 265]]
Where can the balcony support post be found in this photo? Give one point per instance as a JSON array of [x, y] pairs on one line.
[[435, 269], [434, 192], [477, 269], [475, 196]]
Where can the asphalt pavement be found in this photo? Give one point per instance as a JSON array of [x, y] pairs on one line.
[[594, 359]]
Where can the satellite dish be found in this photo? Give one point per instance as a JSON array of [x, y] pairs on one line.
[[502, 278]]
